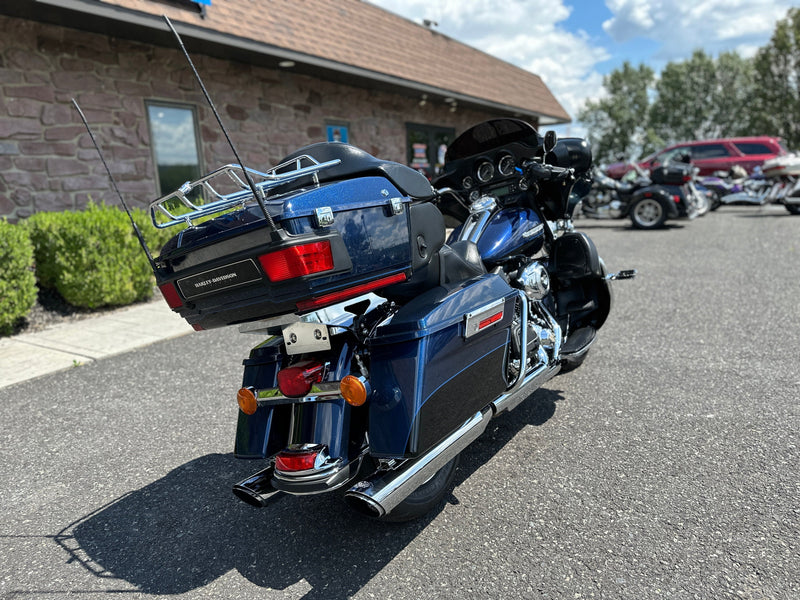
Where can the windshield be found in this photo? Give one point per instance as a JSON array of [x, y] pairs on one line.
[[492, 134]]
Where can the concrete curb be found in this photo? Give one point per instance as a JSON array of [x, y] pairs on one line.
[[66, 345]]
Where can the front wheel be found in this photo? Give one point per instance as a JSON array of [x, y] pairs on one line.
[[425, 497], [793, 208], [714, 200], [648, 213]]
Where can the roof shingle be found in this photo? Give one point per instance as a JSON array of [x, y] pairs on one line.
[[354, 33]]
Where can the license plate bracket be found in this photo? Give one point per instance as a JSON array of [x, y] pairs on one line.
[[304, 337]]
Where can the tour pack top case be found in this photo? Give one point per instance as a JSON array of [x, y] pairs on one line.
[[338, 224]]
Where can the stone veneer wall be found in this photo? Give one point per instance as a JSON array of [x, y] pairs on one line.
[[47, 161]]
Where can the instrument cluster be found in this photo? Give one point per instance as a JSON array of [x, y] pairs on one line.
[[492, 174]]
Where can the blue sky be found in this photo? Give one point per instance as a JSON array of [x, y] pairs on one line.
[[571, 44]]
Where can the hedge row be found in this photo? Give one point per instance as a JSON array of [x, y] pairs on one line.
[[91, 257], [17, 282]]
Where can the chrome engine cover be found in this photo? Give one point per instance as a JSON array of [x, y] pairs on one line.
[[535, 281]]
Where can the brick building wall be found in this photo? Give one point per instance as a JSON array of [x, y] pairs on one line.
[[47, 162]]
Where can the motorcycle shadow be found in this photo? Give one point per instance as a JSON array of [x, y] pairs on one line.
[[185, 530]]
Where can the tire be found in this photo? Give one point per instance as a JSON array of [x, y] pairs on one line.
[[715, 201], [793, 208], [648, 213], [703, 204], [426, 497]]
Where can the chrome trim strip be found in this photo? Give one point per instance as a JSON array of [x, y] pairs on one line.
[[325, 391]]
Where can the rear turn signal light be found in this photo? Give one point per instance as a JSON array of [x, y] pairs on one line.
[[171, 295], [297, 380], [247, 401], [296, 261], [354, 390]]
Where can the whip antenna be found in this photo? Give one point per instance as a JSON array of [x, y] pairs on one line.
[[256, 191], [138, 233]]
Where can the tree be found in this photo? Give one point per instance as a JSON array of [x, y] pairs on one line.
[[777, 77], [617, 122], [703, 98]]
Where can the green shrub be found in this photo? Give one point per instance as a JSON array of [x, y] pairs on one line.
[[92, 257], [17, 282]]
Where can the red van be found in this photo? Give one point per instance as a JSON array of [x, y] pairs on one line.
[[713, 155]]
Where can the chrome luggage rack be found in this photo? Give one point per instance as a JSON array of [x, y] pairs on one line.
[[219, 202]]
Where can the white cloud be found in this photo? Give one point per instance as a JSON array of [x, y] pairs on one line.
[[527, 33], [533, 34], [681, 26]]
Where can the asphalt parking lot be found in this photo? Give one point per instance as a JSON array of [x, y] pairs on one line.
[[667, 466]]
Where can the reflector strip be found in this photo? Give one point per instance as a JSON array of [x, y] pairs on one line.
[[480, 319], [171, 295], [357, 290], [490, 320]]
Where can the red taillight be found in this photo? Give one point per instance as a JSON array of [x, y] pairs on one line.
[[676, 199], [171, 295], [298, 379], [351, 292], [296, 460], [297, 261]]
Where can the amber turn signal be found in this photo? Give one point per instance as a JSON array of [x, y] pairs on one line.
[[247, 401], [354, 390]]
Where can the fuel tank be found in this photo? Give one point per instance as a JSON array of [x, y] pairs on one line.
[[511, 231]]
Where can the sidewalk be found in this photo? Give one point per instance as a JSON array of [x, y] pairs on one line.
[[66, 345]]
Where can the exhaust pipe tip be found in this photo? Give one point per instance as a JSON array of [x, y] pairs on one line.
[[257, 489], [249, 496], [364, 505]]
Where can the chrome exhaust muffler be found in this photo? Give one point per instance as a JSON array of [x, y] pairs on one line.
[[257, 489], [379, 494]]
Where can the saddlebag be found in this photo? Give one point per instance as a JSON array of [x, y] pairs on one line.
[[437, 362]]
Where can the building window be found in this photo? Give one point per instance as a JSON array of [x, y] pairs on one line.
[[426, 146], [174, 139]]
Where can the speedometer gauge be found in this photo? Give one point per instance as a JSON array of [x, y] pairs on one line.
[[485, 171], [506, 165]]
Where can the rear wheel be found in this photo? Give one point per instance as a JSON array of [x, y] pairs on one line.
[[425, 497], [793, 208], [648, 213]]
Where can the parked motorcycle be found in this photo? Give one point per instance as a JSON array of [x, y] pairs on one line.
[[378, 394], [735, 187], [783, 173], [649, 199]]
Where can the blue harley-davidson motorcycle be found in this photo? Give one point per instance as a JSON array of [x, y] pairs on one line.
[[387, 349]]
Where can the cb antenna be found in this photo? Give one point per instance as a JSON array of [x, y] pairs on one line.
[[138, 233], [256, 191]]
